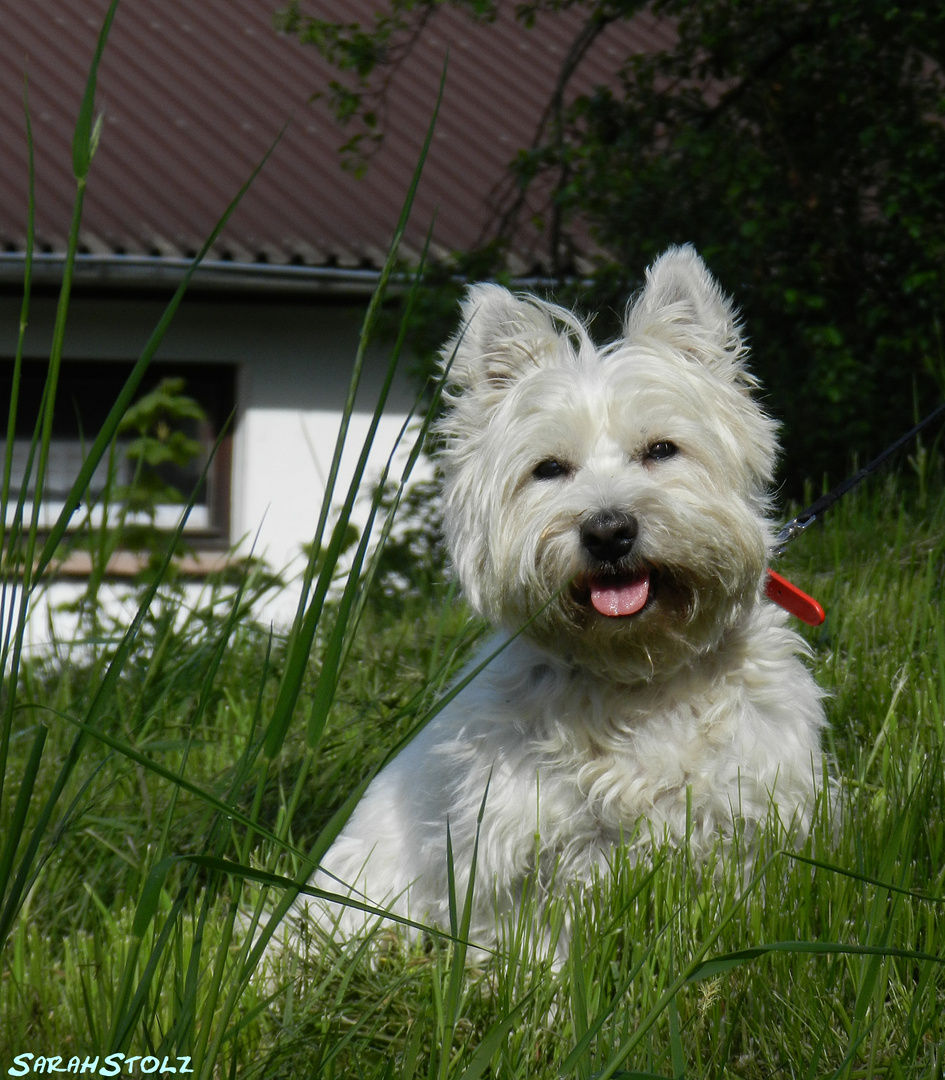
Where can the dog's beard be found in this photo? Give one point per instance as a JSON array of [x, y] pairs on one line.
[[682, 617]]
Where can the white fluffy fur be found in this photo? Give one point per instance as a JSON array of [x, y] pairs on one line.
[[586, 726]]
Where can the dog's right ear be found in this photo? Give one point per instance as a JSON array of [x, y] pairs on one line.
[[501, 338], [683, 305]]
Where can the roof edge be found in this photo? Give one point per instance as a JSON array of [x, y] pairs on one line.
[[134, 272], [118, 272]]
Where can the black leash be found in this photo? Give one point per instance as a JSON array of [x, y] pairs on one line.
[[778, 589], [803, 520]]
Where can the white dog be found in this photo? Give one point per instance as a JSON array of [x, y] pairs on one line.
[[613, 503]]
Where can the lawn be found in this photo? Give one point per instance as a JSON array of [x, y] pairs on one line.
[[127, 937]]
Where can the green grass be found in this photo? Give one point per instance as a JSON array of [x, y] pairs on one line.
[[830, 967]]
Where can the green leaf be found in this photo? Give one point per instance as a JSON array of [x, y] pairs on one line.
[[708, 969], [87, 131]]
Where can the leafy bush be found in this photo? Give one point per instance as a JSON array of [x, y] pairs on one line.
[[798, 145]]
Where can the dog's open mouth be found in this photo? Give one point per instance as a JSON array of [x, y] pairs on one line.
[[618, 596]]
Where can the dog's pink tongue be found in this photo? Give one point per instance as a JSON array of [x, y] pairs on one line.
[[620, 598]]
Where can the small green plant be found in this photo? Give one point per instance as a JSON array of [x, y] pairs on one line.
[[151, 454], [160, 445]]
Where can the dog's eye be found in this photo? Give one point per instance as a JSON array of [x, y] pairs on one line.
[[551, 469], [660, 451]]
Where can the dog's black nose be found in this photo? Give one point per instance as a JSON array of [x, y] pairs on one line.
[[609, 535]]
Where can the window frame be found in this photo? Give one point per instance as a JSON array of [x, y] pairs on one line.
[[212, 384]]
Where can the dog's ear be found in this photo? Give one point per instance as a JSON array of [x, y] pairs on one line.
[[683, 305], [502, 336]]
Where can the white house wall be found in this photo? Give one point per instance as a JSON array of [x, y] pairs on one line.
[[293, 364]]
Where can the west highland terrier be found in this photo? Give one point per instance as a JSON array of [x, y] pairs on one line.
[[607, 510]]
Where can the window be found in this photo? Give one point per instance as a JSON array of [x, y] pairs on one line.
[[86, 391]]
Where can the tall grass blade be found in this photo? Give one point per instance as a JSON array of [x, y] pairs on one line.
[[494, 1039], [29, 571], [83, 148], [86, 134], [348, 615], [657, 1010], [109, 427], [709, 969], [95, 714], [12, 890], [306, 623], [584, 1042], [580, 1018], [21, 339], [867, 879], [677, 1053], [21, 807]]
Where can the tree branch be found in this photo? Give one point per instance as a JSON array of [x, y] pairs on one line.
[[507, 220]]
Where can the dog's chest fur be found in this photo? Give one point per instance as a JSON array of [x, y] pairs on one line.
[[600, 756], [539, 767]]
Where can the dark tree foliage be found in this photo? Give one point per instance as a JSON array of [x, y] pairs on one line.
[[799, 144]]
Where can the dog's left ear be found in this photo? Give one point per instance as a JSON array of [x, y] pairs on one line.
[[502, 337], [683, 305]]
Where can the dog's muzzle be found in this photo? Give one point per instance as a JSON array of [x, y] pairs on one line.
[[609, 535], [613, 586]]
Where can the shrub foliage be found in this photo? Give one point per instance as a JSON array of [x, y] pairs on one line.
[[799, 145]]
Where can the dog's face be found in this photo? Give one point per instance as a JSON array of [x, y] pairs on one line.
[[614, 496]]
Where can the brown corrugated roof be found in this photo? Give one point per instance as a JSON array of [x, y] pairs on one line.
[[195, 91]]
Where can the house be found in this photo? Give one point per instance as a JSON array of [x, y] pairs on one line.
[[194, 93]]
